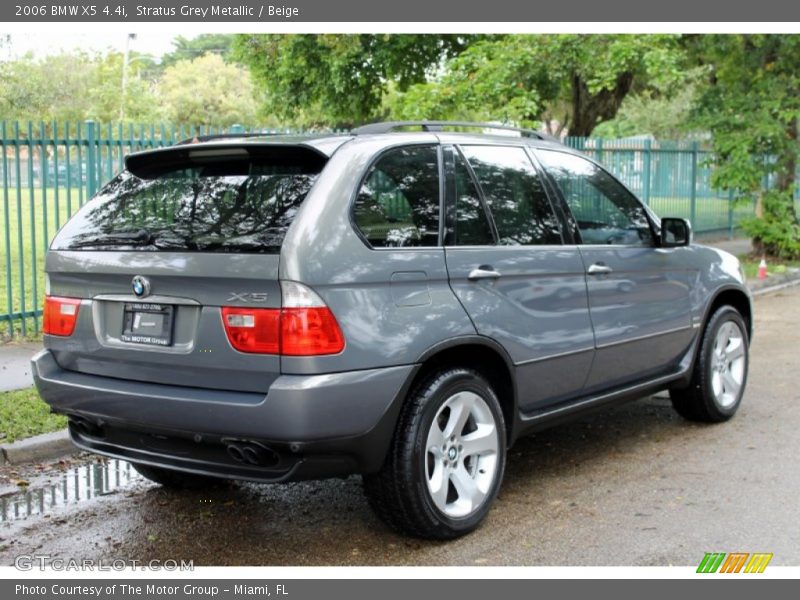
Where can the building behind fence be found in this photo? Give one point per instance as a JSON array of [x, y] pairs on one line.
[[49, 170]]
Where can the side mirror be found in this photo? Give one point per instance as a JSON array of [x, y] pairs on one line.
[[675, 232]]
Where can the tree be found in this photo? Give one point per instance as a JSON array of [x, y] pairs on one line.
[[577, 81], [71, 87], [191, 48], [662, 114], [751, 106], [207, 91], [339, 80]]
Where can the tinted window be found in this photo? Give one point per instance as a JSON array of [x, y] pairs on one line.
[[472, 225], [515, 195], [605, 211], [221, 204], [398, 203]]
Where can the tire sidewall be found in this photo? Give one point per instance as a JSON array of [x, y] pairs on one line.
[[449, 383], [722, 316]]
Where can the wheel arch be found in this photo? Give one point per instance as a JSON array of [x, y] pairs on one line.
[[738, 299], [487, 357]]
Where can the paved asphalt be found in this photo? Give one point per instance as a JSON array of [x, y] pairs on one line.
[[634, 485]]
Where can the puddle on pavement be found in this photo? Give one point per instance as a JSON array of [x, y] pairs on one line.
[[78, 484]]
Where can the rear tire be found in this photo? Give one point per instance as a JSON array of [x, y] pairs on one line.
[[447, 458], [176, 479], [720, 371]]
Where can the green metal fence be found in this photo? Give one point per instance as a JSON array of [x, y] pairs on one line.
[[49, 170], [674, 178]]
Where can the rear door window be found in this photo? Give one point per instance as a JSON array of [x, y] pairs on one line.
[[204, 200], [514, 192], [398, 204], [472, 226]]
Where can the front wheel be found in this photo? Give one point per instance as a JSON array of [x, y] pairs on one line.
[[447, 458], [720, 371]]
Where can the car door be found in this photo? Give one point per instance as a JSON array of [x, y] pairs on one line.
[[517, 281], [638, 293]]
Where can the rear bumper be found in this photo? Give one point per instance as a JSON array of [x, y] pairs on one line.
[[309, 426]]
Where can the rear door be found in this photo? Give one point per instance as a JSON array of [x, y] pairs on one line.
[[157, 253], [507, 265], [638, 292]]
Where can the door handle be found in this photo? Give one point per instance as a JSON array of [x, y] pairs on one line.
[[599, 269], [483, 272]]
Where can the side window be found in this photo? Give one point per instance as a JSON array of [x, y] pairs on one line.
[[472, 224], [515, 194], [398, 203], [605, 211]]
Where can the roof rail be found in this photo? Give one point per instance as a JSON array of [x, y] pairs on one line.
[[224, 136], [390, 126]]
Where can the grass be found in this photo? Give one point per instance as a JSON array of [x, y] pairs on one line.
[[27, 245], [774, 266], [23, 414]]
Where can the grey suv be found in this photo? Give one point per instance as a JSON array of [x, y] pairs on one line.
[[398, 304]]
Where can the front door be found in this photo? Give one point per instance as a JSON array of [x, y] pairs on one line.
[[638, 293]]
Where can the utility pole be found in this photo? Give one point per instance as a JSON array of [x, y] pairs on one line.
[[125, 61]]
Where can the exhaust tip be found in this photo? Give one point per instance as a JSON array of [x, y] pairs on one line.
[[85, 427], [252, 453], [235, 452]]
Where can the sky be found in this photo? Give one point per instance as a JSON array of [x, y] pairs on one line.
[[154, 43]]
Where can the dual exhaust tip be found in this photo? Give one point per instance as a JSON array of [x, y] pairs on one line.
[[244, 452], [251, 453]]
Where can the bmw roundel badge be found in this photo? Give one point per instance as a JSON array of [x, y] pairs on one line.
[[141, 286]]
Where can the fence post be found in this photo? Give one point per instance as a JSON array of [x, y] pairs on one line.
[[693, 191], [91, 143], [730, 214], [646, 174]]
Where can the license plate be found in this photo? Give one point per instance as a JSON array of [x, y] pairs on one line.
[[146, 323]]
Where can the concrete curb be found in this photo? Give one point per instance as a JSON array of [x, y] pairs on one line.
[[38, 448], [776, 287]]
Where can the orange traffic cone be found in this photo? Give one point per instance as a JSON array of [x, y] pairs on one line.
[[762, 268]]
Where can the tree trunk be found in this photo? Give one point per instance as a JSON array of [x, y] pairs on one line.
[[589, 110], [787, 175]]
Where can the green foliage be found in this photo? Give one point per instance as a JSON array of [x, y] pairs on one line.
[[752, 107], [205, 43], [664, 114], [777, 230], [207, 91], [72, 87], [578, 80], [339, 80]]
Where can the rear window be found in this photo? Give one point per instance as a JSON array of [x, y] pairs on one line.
[[198, 200]]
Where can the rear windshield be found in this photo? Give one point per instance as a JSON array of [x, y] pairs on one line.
[[234, 200]]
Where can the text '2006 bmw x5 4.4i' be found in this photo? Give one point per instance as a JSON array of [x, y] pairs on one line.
[[397, 304]]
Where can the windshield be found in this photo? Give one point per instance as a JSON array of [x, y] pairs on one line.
[[240, 204]]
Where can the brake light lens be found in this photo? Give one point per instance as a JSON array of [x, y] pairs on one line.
[[255, 330], [304, 326], [310, 331], [60, 315]]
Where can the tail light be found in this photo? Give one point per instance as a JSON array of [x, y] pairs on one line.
[[60, 315], [304, 326], [254, 330]]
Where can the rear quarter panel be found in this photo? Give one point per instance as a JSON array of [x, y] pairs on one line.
[[392, 304]]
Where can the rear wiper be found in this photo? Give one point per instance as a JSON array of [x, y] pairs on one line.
[[142, 237]]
